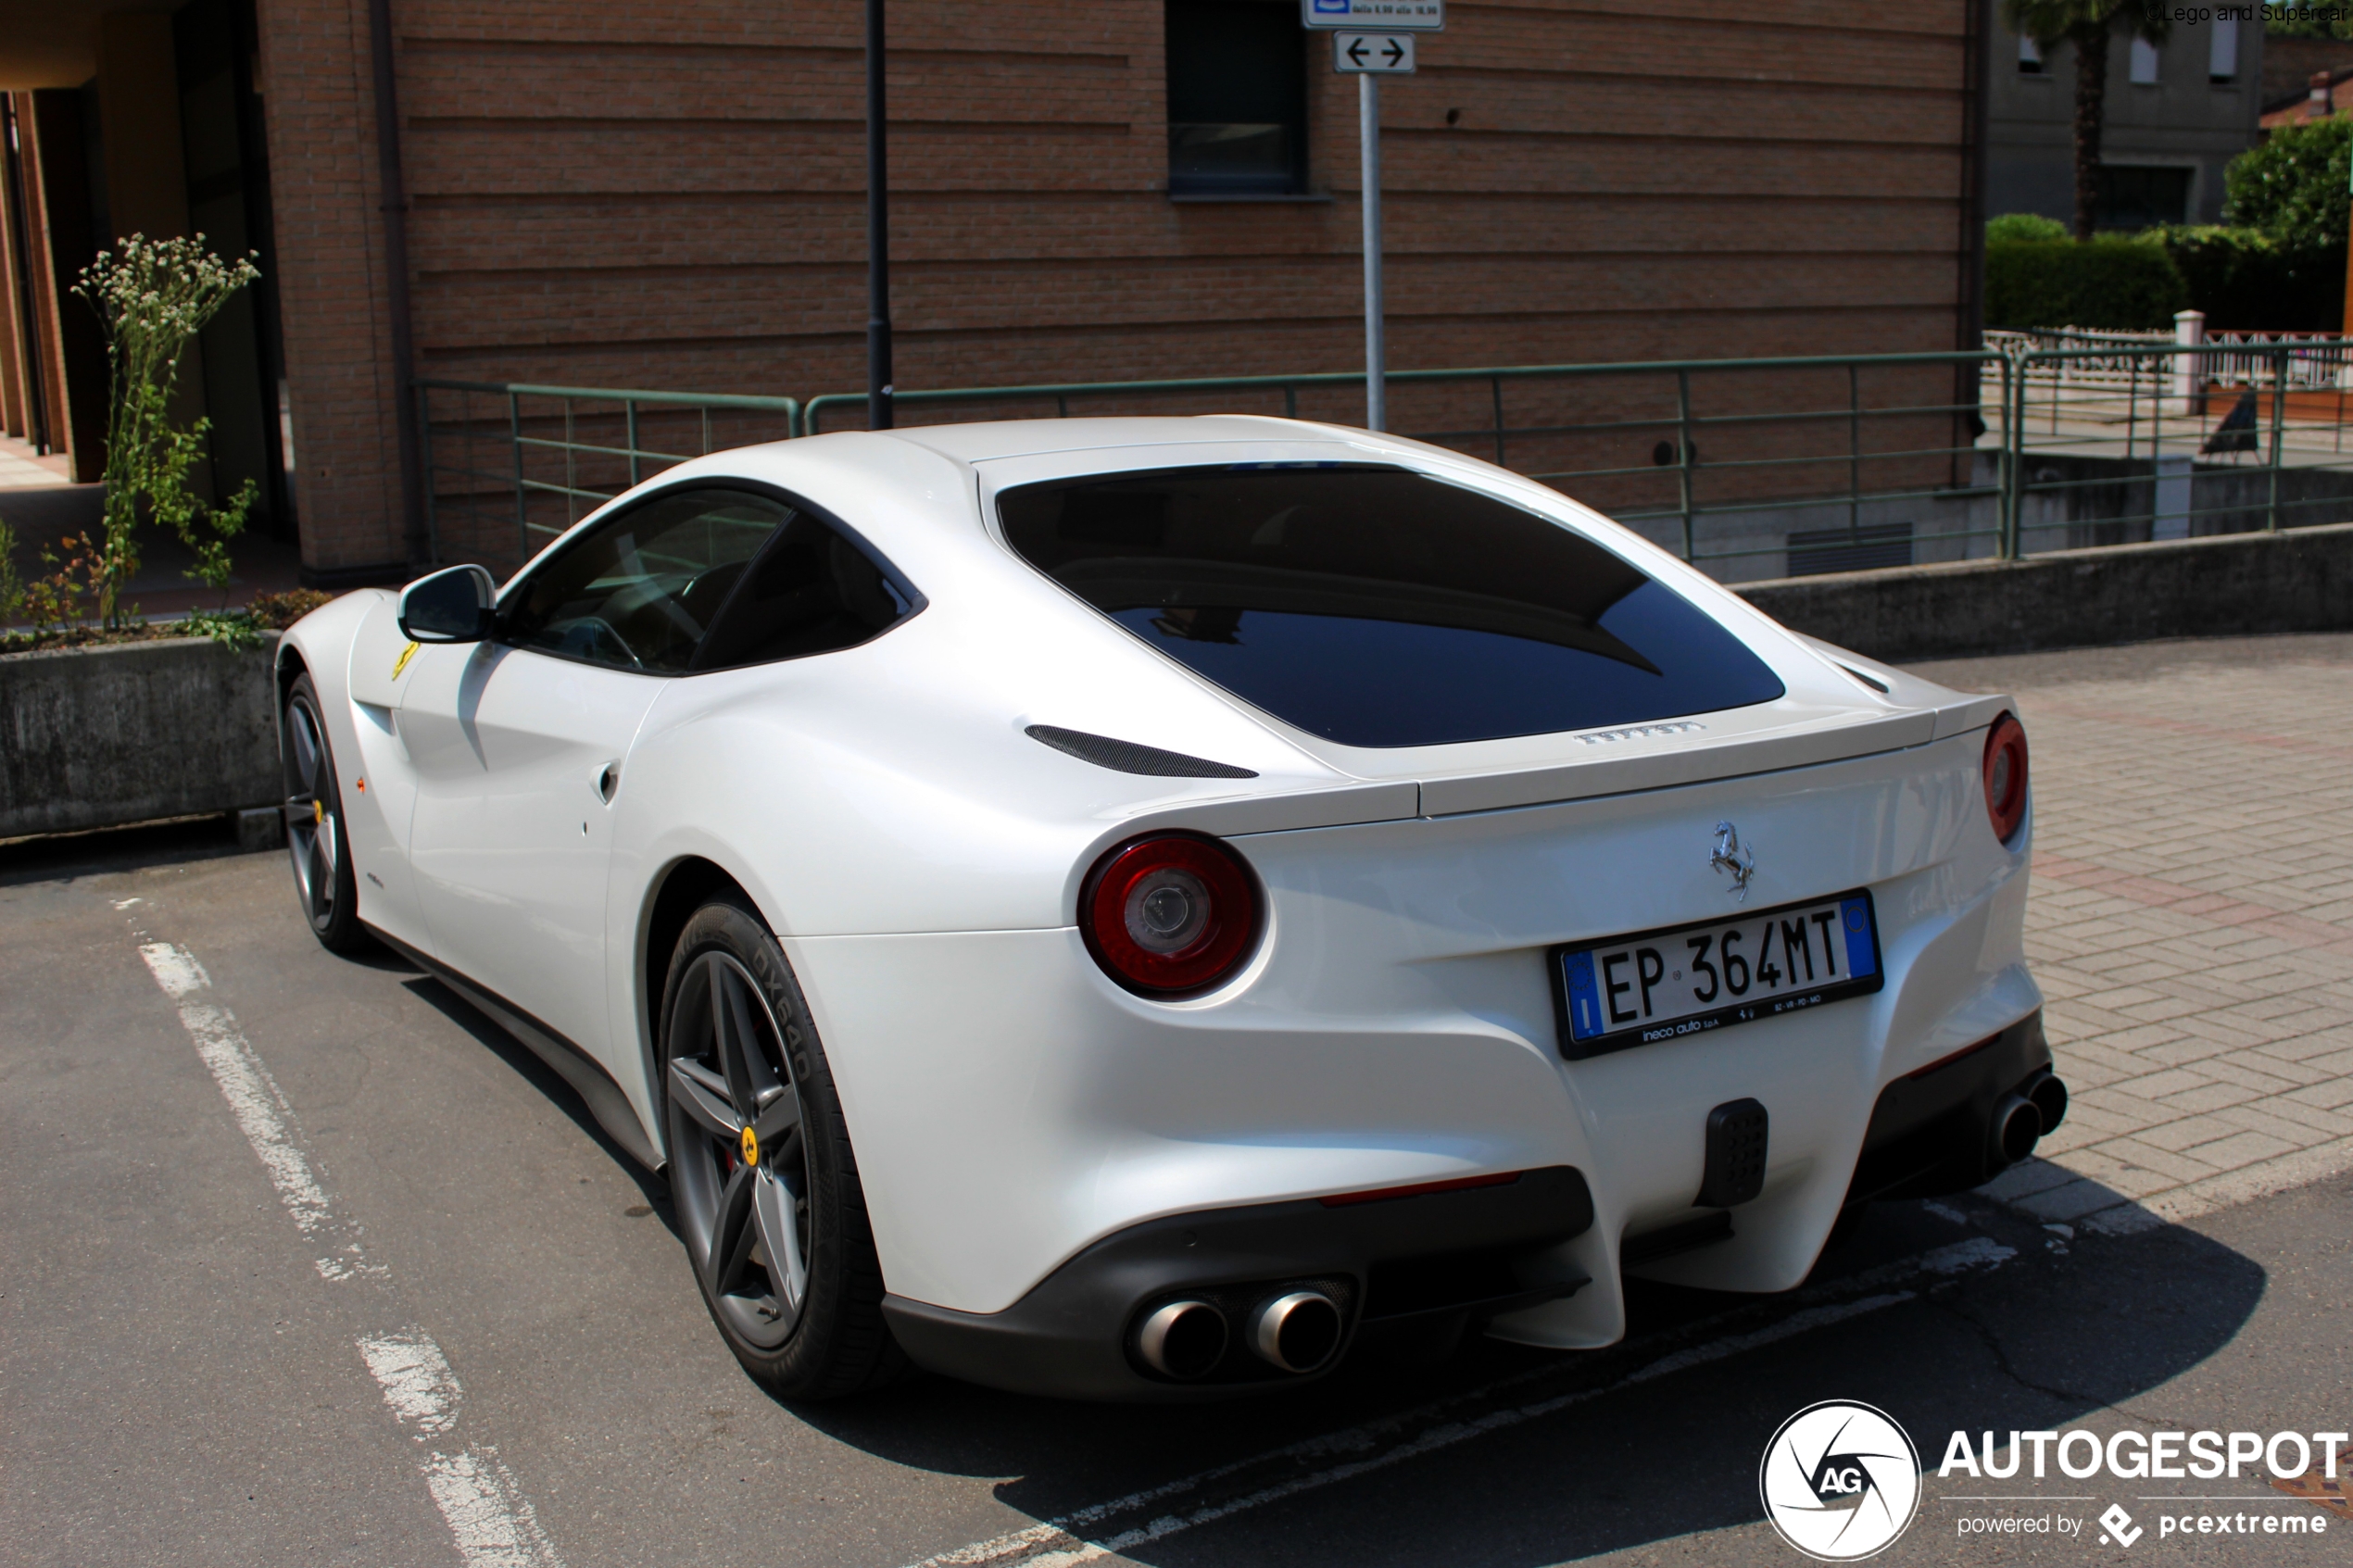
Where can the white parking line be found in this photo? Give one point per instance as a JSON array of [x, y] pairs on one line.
[[491, 1522], [490, 1519], [254, 1100], [1063, 1541]]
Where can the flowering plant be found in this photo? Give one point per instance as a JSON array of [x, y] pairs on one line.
[[152, 297]]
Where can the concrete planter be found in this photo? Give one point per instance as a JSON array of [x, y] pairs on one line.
[[100, 736]]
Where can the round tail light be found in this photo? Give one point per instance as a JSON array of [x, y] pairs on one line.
[[1169, 914], [2005, 776]]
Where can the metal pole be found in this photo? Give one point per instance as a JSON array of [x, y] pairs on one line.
[[1683, 458], [878, 388], [393, 201], [2279, 419], [1376, 350]]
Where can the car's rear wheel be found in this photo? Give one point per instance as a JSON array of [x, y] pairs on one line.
[[316, 842], [761, 1168]]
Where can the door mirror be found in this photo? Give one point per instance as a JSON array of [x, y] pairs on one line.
[[448, 607]]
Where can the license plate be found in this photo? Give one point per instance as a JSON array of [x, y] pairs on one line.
[[1688, 979]]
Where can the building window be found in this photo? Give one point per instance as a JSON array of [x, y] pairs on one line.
[[2135, 197], [2222, 53], [2143, 63], [1236, 98], [2029, 58]]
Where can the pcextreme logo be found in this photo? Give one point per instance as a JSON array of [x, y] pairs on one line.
[[1840, 1480]]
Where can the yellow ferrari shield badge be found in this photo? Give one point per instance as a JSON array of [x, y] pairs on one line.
[[402, 662], [750, 1145]]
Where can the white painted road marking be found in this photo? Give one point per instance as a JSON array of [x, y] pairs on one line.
[[255, 1100], [1061, 1542], [490, 1520]]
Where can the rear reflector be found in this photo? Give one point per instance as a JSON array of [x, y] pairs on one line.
[[1381, 1195]]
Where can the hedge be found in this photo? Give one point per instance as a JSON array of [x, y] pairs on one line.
[[2247, 281], [2123, 284]]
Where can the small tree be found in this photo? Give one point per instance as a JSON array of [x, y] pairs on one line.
[[152, 297], [2088, 25]]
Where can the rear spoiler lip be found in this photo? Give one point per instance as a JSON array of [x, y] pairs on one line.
[[1680, 761]]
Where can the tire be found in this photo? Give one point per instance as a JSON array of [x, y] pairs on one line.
[[774, 1224], [320, 850]]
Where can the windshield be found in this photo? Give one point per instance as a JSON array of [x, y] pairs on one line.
[[1377, 607]]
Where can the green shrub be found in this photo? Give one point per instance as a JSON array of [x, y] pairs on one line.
[[2246, 281], [2293, 185], [2025, 226], [2123, 284]]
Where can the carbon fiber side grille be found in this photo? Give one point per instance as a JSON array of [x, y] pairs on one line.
[[1127, 757]]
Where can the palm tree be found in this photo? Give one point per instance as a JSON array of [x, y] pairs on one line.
[[2087, 24]]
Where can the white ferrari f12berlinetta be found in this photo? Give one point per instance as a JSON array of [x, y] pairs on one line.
[[1136, 908]]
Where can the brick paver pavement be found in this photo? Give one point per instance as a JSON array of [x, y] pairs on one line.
[[2192, 919]]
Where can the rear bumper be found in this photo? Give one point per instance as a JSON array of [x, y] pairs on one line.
[[1467, 1254], [1931, 1131]]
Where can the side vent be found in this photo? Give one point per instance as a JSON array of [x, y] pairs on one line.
[[1127, 757]]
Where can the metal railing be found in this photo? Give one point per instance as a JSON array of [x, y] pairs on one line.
[[594, 436], [1747, 468]]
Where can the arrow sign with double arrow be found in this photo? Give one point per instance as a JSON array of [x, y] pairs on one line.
[[1373, 54]]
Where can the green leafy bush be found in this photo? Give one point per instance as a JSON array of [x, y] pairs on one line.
[[2293, 185], [2113, 282], [2246, 281], [2013, 226]]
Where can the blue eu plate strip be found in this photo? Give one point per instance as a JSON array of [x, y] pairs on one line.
[[1584, 1003], [1855, 915]]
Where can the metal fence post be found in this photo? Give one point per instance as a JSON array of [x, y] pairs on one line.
[[1854, 455], [1495, 386], [1683, 457], [523, 513], [2012, 524], [629, 407], [2279, 420]]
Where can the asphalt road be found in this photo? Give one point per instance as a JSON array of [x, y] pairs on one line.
[[184, 1380]]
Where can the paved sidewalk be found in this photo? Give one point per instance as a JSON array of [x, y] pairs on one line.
[[2192, 919]]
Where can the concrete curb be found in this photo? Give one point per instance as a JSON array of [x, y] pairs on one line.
[[102, 736], [2232, 585]]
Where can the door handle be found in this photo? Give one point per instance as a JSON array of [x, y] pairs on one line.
[[608, 781]]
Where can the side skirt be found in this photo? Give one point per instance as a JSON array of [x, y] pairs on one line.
[[584, 1072]]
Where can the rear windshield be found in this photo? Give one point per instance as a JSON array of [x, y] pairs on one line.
[[1377, 607]]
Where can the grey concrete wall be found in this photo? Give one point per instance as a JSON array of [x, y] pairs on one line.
[[2235, 585], [93, 737]]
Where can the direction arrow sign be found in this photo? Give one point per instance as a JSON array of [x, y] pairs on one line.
[[1373, 54], [1389, 15]]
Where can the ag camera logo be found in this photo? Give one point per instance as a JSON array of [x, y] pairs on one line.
[[1840, 1481]]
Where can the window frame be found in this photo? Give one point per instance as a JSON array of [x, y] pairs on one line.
[[917, 601]]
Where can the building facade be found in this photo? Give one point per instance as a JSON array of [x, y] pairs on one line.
[[2176, 113], [612, 193]]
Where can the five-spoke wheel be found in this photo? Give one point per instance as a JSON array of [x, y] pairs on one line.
[[760, 1169], [740, 1167], [314, 839]]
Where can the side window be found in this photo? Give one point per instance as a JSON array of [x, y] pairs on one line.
[[639, 591], [810, 591]]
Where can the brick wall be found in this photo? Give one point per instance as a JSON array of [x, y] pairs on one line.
[[609, 193]]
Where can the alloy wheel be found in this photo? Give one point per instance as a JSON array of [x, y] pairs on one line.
[[739, 1161], [314, 828]]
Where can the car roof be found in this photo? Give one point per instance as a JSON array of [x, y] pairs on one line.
[[1023, 438]]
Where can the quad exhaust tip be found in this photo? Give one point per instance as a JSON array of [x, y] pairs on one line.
[[1297, 1332], [2017, 1127], [1182, 1339]]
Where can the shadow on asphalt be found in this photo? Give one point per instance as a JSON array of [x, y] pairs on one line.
[[527, 1065], [63, 856], [2063, 1329]]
